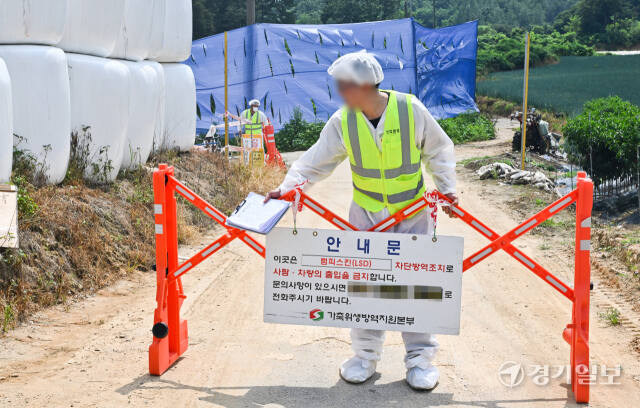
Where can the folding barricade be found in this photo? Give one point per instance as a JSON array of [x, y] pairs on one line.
[[170, 337], [576, 334]]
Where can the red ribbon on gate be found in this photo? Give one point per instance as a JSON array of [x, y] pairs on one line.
[[433, 201]]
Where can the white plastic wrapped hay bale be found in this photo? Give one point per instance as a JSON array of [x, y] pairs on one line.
[[134, 39], [172, 30], [6, 124], [40, 95], [159, 131], [180, 107], [92, 26], [99, 113], [145, 98], [32, 21]]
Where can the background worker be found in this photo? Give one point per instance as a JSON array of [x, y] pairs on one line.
[[252, 119], [386, 135]]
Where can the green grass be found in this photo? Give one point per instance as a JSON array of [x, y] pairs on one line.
[[7, 318], [566, 86], [468, 127], [611, 316]]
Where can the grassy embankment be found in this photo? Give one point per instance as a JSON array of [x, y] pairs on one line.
[[78, 237]]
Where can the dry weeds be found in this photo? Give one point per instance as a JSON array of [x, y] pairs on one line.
[[83, 237]]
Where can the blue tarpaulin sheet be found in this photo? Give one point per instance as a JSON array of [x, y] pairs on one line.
[[285, 66]]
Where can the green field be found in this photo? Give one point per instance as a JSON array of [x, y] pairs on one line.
[[566, 86]]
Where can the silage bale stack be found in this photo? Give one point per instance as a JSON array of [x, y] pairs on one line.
[[171, 44], [39, 84], [116, 99]]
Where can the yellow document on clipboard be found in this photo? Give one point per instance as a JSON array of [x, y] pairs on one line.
[[253, 214]]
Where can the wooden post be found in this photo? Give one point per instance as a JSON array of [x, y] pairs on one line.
[[525, 92]]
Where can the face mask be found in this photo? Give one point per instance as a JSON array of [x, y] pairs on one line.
[[254, 109]]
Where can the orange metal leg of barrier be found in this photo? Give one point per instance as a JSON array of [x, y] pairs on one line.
[[170, 333], [577, 332], [170, 337]]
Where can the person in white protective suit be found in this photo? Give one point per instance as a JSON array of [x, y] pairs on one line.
[[386, 136]]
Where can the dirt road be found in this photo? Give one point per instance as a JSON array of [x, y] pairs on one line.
[[94, 352]]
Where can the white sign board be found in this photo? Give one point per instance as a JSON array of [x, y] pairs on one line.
[[371, 280], [8, 216]]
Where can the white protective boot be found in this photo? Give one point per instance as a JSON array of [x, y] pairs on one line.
[[357, 370], [423, 378]]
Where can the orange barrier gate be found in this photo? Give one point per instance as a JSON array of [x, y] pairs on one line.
[[170, 334], [163, 352], [576, 334]]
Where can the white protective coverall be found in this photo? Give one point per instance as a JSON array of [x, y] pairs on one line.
[[438, 156]]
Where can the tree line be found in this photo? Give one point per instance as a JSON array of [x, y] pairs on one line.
[[603, 23], [560, 27], [215, 16]]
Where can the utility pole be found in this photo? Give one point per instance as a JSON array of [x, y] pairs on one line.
[[433, 2], [251, 12], [525, 97], [226, 99]]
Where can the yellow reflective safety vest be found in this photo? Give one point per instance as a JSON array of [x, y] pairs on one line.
[[255, 127], [391, 177]]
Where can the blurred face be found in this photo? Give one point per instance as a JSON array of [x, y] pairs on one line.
[[354, 95], [254, 108]]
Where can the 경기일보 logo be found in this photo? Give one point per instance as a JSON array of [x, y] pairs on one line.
[[316, 315], [511, 374]]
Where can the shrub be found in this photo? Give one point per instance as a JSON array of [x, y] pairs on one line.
[[495, 106], [27, 206], [26, 174], [468, 127], [298, 134], [609, 130], [499, 51], [623, 33]]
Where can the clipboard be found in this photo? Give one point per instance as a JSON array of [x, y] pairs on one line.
[[253, 214]]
